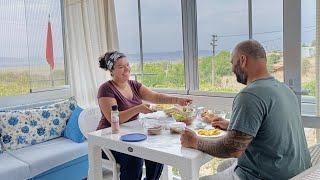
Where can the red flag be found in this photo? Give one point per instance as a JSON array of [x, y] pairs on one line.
[[49, 48]]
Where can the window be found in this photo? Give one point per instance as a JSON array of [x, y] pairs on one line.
[[160, 65], [163, 65], [310, 67], [221, 25], [268, 31], [23, 62], [128, 33], [309, 56]]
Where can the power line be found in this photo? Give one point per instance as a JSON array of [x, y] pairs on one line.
[[266, 32], [270, 40]]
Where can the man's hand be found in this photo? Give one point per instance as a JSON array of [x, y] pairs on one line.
[[189, 139], [220, 123]]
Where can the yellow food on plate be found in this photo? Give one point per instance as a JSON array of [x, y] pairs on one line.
[[209, 132]]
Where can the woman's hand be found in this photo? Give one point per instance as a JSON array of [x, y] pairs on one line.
[[184, 101], [145, 108]]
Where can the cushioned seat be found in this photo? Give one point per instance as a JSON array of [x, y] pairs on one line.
[[44, 156], [12, 168]]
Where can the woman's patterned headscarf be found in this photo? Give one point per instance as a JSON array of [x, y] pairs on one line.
[[111, 60]]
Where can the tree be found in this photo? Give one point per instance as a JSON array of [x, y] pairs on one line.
[[271, 60]]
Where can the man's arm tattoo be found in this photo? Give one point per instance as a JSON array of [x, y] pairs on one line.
[[233, 144]]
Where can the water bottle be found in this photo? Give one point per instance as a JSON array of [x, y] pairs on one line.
[[115, 119]]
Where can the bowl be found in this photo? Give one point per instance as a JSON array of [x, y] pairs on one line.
[[177, 127], [154, 130], [183, 117]]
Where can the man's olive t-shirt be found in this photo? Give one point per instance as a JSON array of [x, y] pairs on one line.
[[269, 111]]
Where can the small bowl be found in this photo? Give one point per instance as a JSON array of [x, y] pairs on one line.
[[177, 127], [154, 130]]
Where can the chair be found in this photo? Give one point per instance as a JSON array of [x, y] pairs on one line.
[[88, 122]]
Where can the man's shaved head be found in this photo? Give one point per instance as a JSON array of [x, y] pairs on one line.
[[251, 48]]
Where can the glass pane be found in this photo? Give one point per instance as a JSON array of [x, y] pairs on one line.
[[221, 25], [128, 34], [267, 27], [23, 57], [311, 136], [162, 44], [14, 65], [309, 59], [38, 14]]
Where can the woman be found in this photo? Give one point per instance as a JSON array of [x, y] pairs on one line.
[[128, 95]]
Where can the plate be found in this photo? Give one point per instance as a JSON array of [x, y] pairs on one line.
[[222, 133], [133, 137]]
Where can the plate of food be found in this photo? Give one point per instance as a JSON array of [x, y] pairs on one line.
[[180, 115], [210, 133]]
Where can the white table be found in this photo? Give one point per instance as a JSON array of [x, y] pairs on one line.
[[164, 148]]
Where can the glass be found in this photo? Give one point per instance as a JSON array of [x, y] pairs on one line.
[[37, 23], [23, 66], [310, 66], [14, 64], [267, 27], [219, 113], [311, 136], [127, 18], [221, 25], [162, 44]]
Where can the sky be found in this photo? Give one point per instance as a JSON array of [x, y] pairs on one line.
[[161, 24], [24, 24]]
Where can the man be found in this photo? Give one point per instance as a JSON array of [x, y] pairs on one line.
[[265, 131]]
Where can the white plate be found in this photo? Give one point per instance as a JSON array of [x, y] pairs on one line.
[[214, 136]]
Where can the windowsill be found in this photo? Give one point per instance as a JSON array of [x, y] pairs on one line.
[[61, 92], [51, 89]]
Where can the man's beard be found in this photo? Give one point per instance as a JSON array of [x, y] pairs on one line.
[[241, 76]]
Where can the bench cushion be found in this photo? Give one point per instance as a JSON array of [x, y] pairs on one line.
[[12, 168], [44, 156]]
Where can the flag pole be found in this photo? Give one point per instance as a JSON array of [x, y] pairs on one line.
[[51, 76]]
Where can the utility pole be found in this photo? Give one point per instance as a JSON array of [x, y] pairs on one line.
[[213, 71]]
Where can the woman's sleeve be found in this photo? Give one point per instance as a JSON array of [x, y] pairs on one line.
[[105, 91]]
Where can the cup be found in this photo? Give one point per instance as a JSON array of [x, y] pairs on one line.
[[220, 113]]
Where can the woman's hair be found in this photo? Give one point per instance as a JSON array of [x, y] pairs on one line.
[[108, 60]]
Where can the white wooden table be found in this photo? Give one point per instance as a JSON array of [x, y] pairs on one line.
[[164, 148]]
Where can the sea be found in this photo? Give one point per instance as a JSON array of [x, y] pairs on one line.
[[148, 57]]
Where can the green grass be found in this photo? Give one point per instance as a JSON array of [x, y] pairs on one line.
[[19, 82], [158, 74]]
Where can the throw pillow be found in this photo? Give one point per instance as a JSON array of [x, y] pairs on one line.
[[21, 128], [72, 130]]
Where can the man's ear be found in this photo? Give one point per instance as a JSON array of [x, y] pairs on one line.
[[243, 61]]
